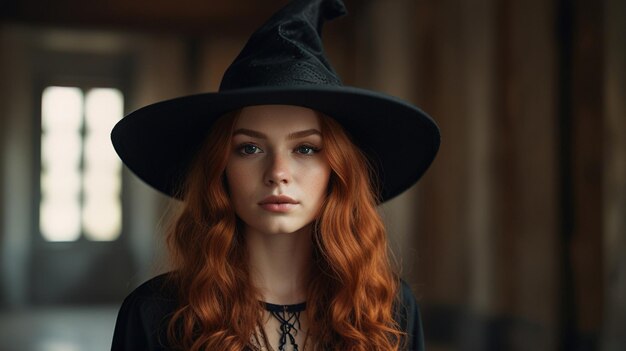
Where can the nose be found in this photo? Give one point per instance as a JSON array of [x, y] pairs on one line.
[[277, 171]]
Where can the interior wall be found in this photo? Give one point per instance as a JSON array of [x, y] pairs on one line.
[[156, 59], [17, 149], [614, 178], [514, 251], [488, 214]]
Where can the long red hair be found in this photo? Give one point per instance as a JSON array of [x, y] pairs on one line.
[[352, 293]]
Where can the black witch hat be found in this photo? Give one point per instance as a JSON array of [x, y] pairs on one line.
[[283, 63]]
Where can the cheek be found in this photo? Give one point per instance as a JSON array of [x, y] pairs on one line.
[[317, 182], [237, 178], [232, 175], [238, 172]]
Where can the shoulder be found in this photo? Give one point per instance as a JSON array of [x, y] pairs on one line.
[[406, 297], [153, 298], [143, 317], [156, 289], [409, 318]]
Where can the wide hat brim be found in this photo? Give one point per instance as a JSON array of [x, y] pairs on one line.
[[159, 141]]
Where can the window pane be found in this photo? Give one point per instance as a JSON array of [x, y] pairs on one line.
[[102, 211], [61, 124], [60, 220]]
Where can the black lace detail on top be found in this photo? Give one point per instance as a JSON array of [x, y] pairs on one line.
[[289, 318]]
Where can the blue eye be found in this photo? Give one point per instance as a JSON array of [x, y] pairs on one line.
[[306, 150], [249, 149]]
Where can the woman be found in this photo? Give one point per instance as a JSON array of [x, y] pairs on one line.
[[279, 245]]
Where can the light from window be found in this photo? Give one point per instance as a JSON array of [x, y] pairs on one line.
[[60, 162], [80, 176], [102, 211]]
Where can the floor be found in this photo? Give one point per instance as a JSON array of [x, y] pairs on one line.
[[58, 329]]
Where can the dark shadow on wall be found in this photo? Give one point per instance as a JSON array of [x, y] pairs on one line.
[[75, 274]]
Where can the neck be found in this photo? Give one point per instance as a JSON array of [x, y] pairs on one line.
[[280, 265]]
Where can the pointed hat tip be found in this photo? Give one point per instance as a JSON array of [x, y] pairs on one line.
[[323, 9], [334, 8]]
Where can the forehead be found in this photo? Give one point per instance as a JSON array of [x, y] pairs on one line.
[[267, 118]]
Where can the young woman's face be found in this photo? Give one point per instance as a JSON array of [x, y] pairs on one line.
[[277, 174]]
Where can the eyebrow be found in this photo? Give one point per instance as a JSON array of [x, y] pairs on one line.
[[290, 136]]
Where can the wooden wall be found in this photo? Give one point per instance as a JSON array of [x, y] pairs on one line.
[[516, 244]]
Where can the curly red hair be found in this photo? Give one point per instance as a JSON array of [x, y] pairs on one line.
[[352, 293]]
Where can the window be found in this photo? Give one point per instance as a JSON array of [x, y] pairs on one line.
[[80, 174]]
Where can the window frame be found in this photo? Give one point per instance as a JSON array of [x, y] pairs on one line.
[[83, 70]]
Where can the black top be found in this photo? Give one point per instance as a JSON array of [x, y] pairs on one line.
[[144, 315]]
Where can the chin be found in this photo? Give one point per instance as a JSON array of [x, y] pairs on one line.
[[282, 229], [279, 226]]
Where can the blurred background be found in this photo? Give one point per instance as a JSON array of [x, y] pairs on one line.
[[515, 239]]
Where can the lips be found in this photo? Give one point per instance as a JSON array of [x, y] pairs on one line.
[[278, 203], [278, 199]]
